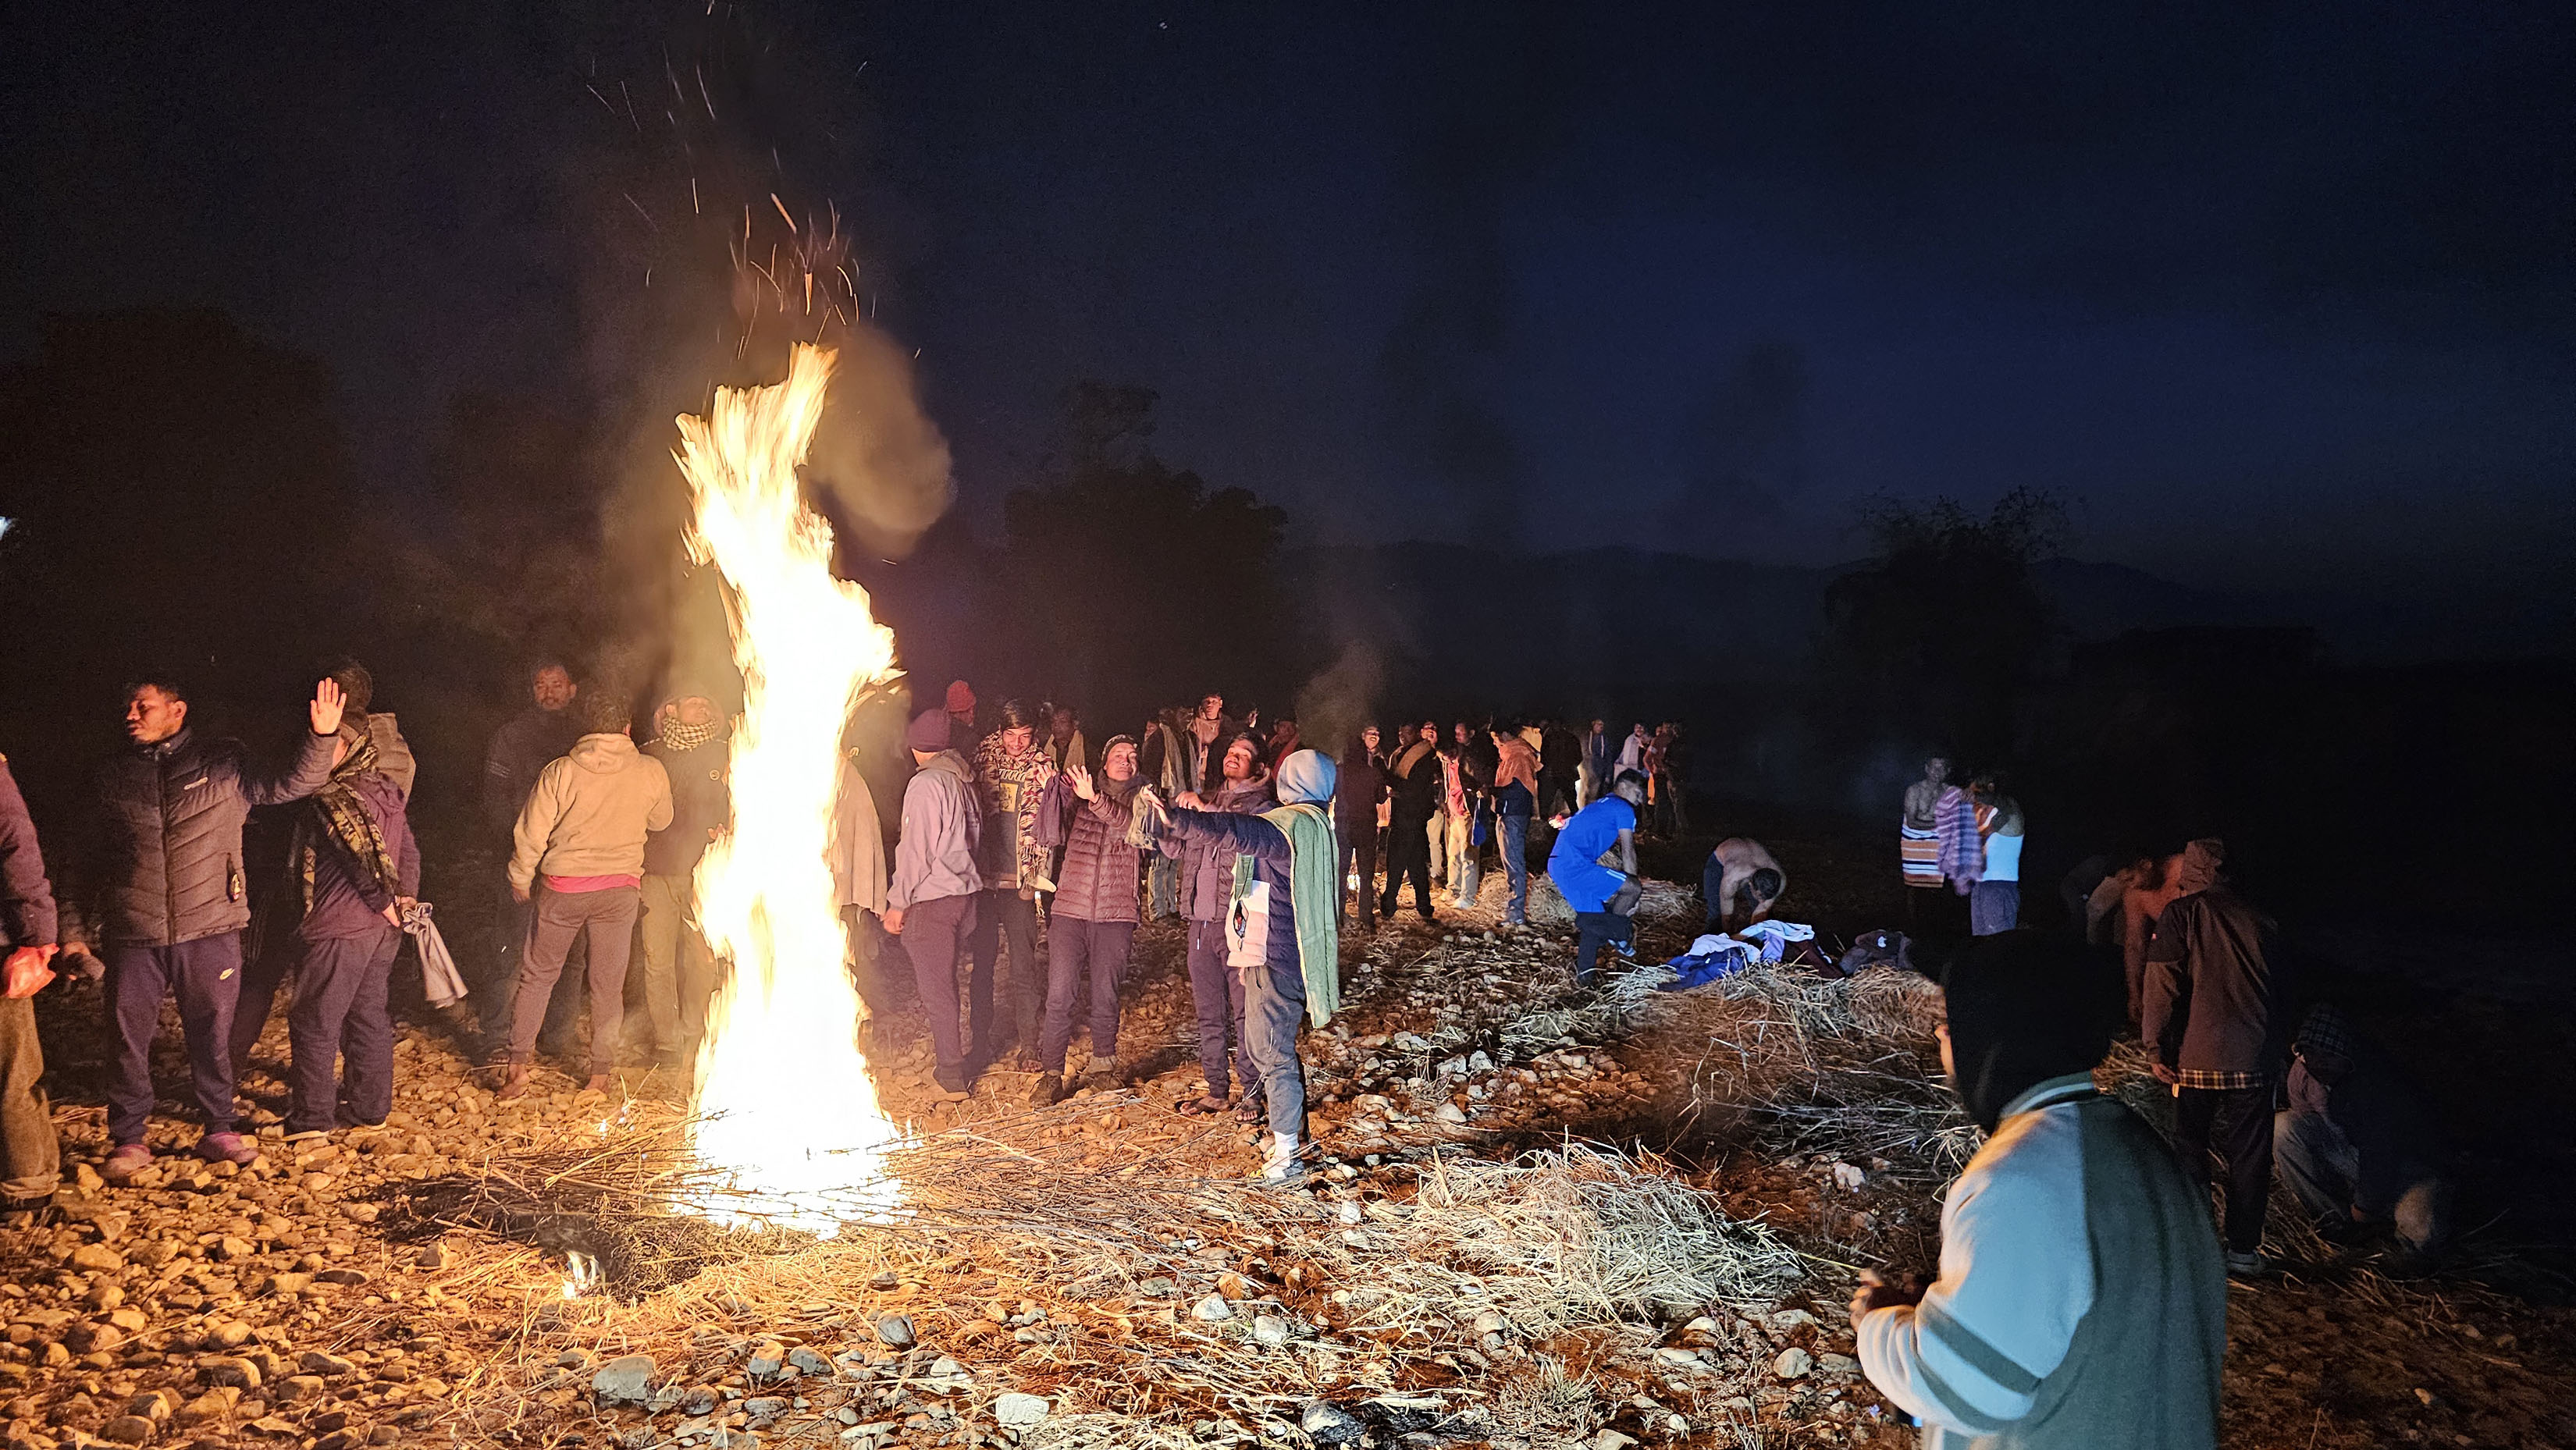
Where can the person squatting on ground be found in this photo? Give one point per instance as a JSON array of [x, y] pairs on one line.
[[1740, 884], [353, 869], [1603, 899], [1207, 885], [1094, 920], [930, 905], [30, 1155], [1515, 804], [2214, 1026], [679, 969], [161, 886], [522, 748], [2358, 1144], [1281, 937], [583, 831], [1414, 794], [1994, 904], [2080, 1302], [1011, 773], [1359, 785]]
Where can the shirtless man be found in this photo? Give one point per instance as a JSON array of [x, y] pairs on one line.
[[1740, 883], [1918, 837]]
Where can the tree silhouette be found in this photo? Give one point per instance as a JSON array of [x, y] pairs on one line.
[[1939, 631]]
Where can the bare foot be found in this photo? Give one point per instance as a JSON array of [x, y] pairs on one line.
[[598, 1083], [515, 1087]]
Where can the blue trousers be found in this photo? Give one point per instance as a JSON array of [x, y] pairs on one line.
[[1073, 948], [340, 1017], [1514, 836], [1274, 1005], [205, 975]]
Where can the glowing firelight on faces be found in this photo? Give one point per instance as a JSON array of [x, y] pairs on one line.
[[787, 1113]]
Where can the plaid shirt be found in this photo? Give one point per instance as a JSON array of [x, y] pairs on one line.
[[2211, 1080]]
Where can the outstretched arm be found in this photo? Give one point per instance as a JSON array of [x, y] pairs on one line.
[[312, 758]]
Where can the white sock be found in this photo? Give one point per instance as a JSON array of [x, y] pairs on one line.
[[1282, 1146]]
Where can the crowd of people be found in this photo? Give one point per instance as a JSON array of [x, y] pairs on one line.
[[2076, 1253]]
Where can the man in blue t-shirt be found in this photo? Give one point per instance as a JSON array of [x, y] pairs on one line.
[[1603, 899]]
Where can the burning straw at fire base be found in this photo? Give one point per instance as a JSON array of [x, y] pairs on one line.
[[1122, 1295]]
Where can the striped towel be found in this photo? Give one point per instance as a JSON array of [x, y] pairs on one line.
[[1919, 852], [1962, 856]]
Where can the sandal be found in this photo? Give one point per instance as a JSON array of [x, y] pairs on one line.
[[1205, 1106], [1252, 1110]]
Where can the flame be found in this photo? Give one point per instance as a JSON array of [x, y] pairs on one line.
[[786, 1111]]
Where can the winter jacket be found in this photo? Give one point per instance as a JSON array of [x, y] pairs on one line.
[[348, 900], [26, 898], [1358, 785], [700, 802], [1098, 882], [942, 822], [1207, 864], [1416, 794], [164, 860], [590, 813], [393, 753], [519, 751], [2212, 1001], [1230, 834]]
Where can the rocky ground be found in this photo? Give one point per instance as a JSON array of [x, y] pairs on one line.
[[1461, 1269]]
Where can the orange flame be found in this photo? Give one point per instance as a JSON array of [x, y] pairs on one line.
[[787, 1112]]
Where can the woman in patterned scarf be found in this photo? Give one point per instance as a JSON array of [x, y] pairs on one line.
[[1011, 772]]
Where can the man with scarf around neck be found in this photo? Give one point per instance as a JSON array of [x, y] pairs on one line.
[[1282, 936], [1093, 922], [1515, 803], [355, 867], [1011, 773], [161, 883], [2216, 1028], [2080, 1301], [1207, 885], [679, 969], [1413, 785]]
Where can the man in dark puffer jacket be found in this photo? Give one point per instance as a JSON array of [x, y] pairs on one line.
[[165, 895]]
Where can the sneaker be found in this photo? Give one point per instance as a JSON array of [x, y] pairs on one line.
[[1047, 1090], [2247, 1266], [1282, 1169], [950, 1079], [227, 1148], [128, 1160], [1102, 1075], [308, 1135]]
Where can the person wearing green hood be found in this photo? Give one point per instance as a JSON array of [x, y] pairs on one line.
[[1282, 936]]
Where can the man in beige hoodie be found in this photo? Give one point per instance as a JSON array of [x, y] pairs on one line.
[[582, 831]]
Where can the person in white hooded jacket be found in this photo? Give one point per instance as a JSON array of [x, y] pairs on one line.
[[2081, 1302], [582, 831]]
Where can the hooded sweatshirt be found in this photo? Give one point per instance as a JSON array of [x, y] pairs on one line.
[[2081, 1302], [590, 812], [942, 822]]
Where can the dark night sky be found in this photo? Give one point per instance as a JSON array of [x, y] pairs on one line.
[[2280, 297]]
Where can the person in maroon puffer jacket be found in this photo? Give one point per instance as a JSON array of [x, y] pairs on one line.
[[1094, 920]]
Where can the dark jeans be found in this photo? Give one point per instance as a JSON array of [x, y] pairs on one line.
[[1217, 991], [2238, 1123], [1556, 792], [496, 993], [30, 1158], [606, 919], [1408, 853], [1074, 947], [1514, 834], [1007, 914], [1274, 1007], [206, 975], [1595, 930], [1359, 844], [932, 932], [340, 1013]]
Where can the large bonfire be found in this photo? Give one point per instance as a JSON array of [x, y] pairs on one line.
[[787, 1113]]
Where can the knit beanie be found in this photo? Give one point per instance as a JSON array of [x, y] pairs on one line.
[[928, 732], [961, 697]]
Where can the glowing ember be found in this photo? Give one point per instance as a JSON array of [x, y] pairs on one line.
[[788, 1113]]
